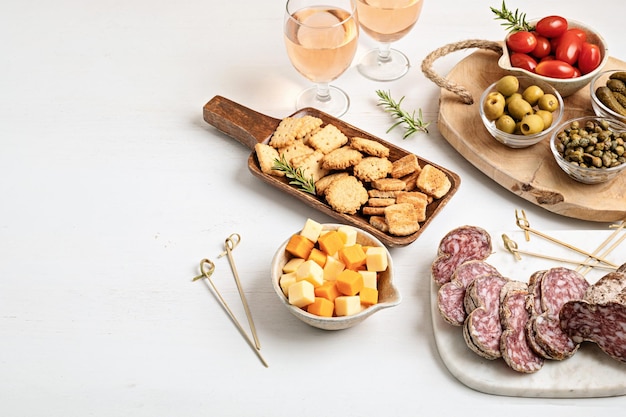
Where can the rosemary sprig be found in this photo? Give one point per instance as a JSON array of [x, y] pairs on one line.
[[295, 175], [412, 123], [513, 21]]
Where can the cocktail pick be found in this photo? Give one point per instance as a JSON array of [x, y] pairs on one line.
[[231, 242], [608, 240], [207, 267], [522, 222]]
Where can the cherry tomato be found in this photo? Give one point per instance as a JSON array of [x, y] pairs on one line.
[[548, 58], [568, 47], [521, 41], [551, 26], [589, 57], [524, 61], [555, 69], [580, 33], [543, 47]]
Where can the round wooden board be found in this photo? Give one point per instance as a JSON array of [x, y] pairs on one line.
[[531, 172]]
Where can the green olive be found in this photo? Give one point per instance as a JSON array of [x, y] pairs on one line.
[[532, 94], [531, 124], [548, 102], [505, 123], [507, 85], [494, 105], [513, 97], [546, 116], [519, 108]]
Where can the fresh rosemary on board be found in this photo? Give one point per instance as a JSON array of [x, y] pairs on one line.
[[412, 123], [295, 175], [513, 21]]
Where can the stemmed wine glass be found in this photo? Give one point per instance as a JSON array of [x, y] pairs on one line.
[[386, 21], [321, 38]]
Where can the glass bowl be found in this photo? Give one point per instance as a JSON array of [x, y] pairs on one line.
[[579, 173], [388, 295], [569, 86], [519, 140], [599, 108]]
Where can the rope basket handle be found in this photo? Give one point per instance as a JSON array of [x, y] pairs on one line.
[[455, 88]]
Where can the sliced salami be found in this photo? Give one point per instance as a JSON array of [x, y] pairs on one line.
[[460, 245], [557, 286], [482, 329], [450, 295], [600, 317], [514, 347]]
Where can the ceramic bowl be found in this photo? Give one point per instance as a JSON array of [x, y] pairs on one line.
[[519, 140], [599, 108], [569, 86], [388, 295], [583, 174]]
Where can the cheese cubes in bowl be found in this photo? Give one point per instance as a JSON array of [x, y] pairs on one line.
[[333, 276]]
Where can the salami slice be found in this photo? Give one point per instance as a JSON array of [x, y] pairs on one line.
[[462, 244], [557, 286], [482, 329], [600, 317], [516, 351], [450, 295]]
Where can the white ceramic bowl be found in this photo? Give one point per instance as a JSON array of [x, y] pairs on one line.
[[568, 86], [598, 107], [388, 295], [583, 174], [519, 140]]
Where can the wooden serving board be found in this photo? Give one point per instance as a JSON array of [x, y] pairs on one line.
[[250, 127], [531, 172]]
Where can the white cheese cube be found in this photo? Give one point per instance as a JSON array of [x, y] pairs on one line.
[[292, 265], [350, 233], [369, 279], [310, 271], [311, 230], [286, 280], [347, 305], [376, 259], [301, 294], [332, 268]]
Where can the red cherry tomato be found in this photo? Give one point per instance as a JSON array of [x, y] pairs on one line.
[[521, 41], [589, 57], [580, 33], [524, 61], [548, 58], [555, 69], [543, 47], [568, 47], [551, 26]]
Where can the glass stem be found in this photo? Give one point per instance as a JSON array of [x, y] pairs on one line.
[[384, 52], [323, 92]]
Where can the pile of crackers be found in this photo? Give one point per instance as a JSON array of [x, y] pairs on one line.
[[355, 174]]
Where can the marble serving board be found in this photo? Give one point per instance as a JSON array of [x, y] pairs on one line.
[[588, 373]]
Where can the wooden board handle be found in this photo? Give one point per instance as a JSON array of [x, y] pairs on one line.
[[245, 125]]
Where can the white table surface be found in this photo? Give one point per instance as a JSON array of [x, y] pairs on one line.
[[112, 188]]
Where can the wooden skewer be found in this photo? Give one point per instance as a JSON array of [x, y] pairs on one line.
[[618, 228], [522, 222]]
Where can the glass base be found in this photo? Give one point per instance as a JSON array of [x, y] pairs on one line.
[[336, 103], [377, 68]]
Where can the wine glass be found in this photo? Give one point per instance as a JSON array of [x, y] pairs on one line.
[[321, 38], [386, 21]]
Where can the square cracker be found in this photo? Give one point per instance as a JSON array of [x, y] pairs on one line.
[[433, 181], [327, 139], [402, 219], [311, 165], [266, 156]]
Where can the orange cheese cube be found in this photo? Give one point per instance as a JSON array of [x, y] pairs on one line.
[[332, 268], [347, 305], [299, 246], [352, 256], [318, 257], [349, 282], [331, 242], [321, 307], [368, 296], [327, 290], [301, 294], [376, 259]]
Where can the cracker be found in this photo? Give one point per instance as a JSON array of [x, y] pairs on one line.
[[418, 199], [311, 165], [380, 202], [370, 147], [266, 156], [322, 184], [285, 133], [373, 211], [372, 168], [381, 194], [433, 181], [411, 180], [379, 223], [342, 158], [327, 139], [306, 125], [406, 165], [346, 195], [402, 219], [388, 184], [296, 149]]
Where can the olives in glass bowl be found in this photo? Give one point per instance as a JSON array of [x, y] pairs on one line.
[[589, 149], [520, 111], [608, 94]]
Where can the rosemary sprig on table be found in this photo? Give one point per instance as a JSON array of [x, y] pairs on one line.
[[412, 123], [295, 175], [513, 21]]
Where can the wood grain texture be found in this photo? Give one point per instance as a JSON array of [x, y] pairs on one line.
[[249, 127], [531, 173]]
